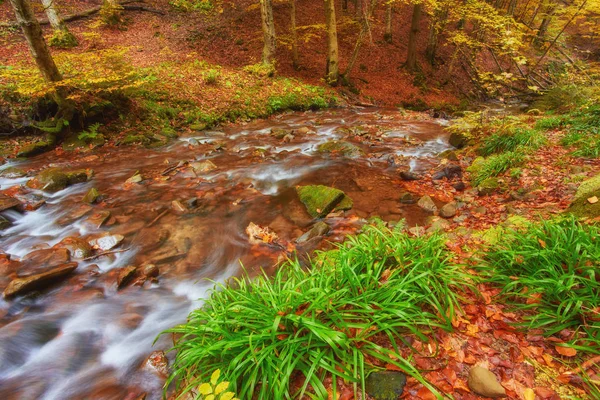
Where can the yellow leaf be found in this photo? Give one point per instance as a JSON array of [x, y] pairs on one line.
[[221, 387], [205, 388], [215, 377], [227, 396], [528, 394], [210, 397]]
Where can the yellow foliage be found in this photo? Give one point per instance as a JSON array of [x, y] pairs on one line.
[[215, 390]]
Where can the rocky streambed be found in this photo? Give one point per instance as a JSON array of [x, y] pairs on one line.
[[101, 250]]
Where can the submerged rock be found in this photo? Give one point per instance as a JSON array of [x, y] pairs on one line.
[[4, 223], [385, 385], [319, 229], [340, 147], [320, 200], [427, 204], [41, 260], [38, 281], [203, 166], [79, 176], [125, 276], [584, 205], [484, 383]]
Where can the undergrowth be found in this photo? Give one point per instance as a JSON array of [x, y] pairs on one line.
[[495, 165], [550, 271], [511, 140], [328, 320]]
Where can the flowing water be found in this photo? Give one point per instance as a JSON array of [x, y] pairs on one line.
[[84, 339]]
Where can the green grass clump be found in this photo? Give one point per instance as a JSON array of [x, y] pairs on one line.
[[354, 304], [511, 140], [549, 123], [584, 132], [550, 271], [495, 165]]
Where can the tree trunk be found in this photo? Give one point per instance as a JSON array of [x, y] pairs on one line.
[[62, 37], [295, 59], [332, 69], [35, 39], [437, 25], [546, 20], [268, 28], [361, 37], [387, 36], [411, 58]]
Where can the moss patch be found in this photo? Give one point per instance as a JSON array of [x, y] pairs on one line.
[[321, 200], [580, 206]]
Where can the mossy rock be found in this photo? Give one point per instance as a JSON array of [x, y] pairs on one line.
[[63, 40], [49, 180], [580, 206], [385, 385], [33, 149], [77, 176], [476, 165], [340, 147], [321, 200], [459, 139], [488, 186]]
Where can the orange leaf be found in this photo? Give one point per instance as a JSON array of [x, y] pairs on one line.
[[565, 351]]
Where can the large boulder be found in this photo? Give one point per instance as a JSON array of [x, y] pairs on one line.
[[585, 204], [320, 200], [340, 147]]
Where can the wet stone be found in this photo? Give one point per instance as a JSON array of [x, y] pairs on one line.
[[407, 198], [49, 180], [448, 210], [319, 229], [203, 166], [125, 276], [135, 178], [91, 196], [106, 243], [78, 248], [98, 219], [157, 362], [79, 176], [427, 204], [74, 214], [409, 176], [38, 281], [150, 271], [7, 202], [385, 385], [40, 260], [340, 147], [321, 200], [485, 383], [4, 223]]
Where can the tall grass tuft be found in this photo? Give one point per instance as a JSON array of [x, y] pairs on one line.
[[344, 316], [495, 165], [550, 271], [510, 141]]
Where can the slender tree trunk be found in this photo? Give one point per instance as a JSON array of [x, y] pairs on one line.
[[62, 37], [35, 39], [344, 5], [546, 20], [387, 36], [332, 69], [361, 37], [437, 25], [295, 59], [358, 10], [268, 28], [411, 58]]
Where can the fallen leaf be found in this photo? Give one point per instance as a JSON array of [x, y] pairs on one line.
[[593, 200], [565, 351], [528, 394]]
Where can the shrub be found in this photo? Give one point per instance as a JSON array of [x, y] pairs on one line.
[[495, 165], [211, 76], [550, 271], [328, 320]]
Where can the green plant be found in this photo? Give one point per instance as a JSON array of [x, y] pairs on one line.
[[511, 140], [328, 320], [550, 270], [91, 133], [549, 123], [211, 76], [192, 5], [495, 165]]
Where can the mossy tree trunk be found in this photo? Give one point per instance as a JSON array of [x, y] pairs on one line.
[[411, 58], [268, 28], [62, 37], [438, 24], [332, 73]]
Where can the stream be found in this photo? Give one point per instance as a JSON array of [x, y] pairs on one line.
[[84, 338]]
